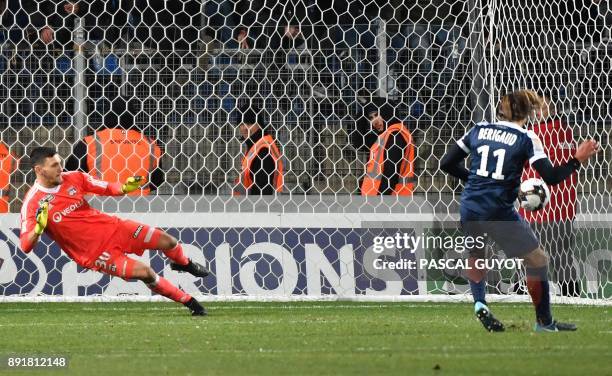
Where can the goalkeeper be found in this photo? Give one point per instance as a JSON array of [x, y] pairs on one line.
[[55, 204]]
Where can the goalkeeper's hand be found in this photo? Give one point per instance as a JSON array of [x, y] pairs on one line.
[[131, 184], [42, 214]]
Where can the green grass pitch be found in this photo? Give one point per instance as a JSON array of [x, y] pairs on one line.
[[303, 338]]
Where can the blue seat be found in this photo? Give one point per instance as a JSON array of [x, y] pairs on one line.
[[111, 64], [228, 104], [63, 65]]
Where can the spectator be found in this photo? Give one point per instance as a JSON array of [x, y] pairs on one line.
[[262, 165], [103, 20], [108, 20], [168, 26], [390, 167], [272, 24], [554, 224], [221, 18], [116, 153], [431, 41], [55, 20], [15, 20], [348, 21], [8, 165], [344, 32]]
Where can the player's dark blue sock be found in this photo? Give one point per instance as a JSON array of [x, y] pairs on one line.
[[479, 290], [537, 284]]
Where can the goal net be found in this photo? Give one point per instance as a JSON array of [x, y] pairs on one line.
[[181, 72]]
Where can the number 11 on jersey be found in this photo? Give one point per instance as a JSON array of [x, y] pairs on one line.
[[500, 154]]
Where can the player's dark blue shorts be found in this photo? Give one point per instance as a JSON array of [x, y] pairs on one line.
[[509, 230]]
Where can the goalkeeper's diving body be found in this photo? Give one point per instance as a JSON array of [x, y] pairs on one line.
[[55, 205], [498, 153]]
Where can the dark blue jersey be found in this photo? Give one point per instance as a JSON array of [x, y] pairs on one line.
[[498, 154]]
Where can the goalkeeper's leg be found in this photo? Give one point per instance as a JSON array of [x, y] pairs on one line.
[[163, 287], [114, 262], [138, 237], [174, 251]]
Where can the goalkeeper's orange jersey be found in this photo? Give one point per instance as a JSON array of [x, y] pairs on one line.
[[79, 229]]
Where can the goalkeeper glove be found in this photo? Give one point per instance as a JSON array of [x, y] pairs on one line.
[[132, 184], [42, 214]]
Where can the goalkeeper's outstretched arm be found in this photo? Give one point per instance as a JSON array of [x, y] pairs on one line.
[[35, 221], [104, 188]]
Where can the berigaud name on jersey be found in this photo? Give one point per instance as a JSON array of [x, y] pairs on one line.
[[497, 135]]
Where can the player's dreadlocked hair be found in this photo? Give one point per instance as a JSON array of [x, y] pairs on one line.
[[519, 105]]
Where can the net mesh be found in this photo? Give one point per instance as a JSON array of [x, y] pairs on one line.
[[178, 72]]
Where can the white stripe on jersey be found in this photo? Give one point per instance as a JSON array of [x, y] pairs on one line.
[[96, 182], [149, 234], [538, 148], [47, 190], [462, 145]]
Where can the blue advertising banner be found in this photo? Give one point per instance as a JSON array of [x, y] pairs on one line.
[[290, 255], [244, 260]]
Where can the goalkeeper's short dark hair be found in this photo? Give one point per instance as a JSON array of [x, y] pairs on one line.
[[39, 154]]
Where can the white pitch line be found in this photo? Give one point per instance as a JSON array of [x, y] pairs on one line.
[[50, 307]]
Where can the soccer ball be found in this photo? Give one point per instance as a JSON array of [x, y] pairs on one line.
[[533, 194]]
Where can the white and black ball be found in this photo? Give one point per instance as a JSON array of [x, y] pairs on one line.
[[533, 194]]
